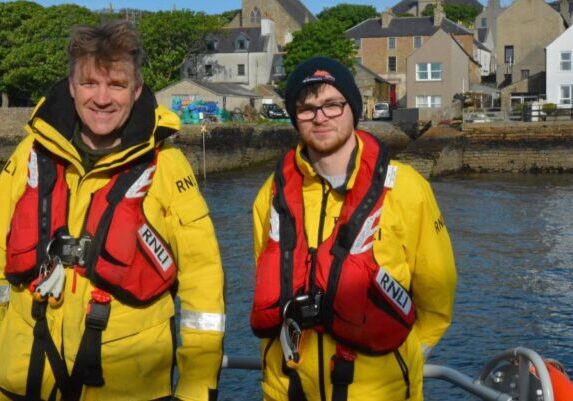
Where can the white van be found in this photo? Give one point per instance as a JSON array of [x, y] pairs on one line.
[[381, 111]]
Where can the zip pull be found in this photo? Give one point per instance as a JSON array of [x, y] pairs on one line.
[[310, 263]]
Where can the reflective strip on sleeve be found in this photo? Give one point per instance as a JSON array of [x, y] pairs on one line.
[[203, 321], [4, 294]]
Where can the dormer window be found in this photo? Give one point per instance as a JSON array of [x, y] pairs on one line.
[[256, 16], [212, 44], [241, 43]]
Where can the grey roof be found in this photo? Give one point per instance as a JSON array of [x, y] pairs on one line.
[[480, 45], [370, 72], [405, 5], [225, 88], [297, 10], [482, 34], [404, 26], [226, 40], [557, 7]]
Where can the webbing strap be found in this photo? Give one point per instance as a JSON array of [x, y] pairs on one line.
[[43, 346], [341, 376], [295, 391]]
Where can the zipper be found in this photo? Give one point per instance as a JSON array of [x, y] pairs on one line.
[[405, 372], [321, 373]]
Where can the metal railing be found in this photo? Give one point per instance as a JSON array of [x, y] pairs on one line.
[[524, 357]]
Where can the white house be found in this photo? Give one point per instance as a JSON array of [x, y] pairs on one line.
[[559, 64], [244, 55]]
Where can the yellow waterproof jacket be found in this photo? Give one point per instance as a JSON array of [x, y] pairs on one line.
[[413, 246], [137, 345]]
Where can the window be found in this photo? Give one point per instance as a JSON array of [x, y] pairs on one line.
[[241, 70], [429, 72], [212, 44], [279, 69], [357, 43], [566, 91], [358, 60], [208, 70], [508, 55], [565, 61], [391, 64], [428, 101], [524, 74], [256, 16], [241, 43], [391, 42], [417, 42], [483, 23]]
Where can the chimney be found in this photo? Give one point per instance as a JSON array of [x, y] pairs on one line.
[[438, 13], [564, 11], [386, 18]]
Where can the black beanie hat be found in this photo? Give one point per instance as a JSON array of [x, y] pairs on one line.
[[322, 70]]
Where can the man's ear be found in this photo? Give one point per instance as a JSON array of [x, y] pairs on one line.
[[138, 88], [71, 86]]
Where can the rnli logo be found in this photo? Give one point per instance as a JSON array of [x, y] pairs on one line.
[[394, 291], [365, 238], [33, 170], [319, 76], [155, 247], [139, 188]]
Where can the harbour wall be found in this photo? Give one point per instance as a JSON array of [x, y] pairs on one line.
[[532, 147]]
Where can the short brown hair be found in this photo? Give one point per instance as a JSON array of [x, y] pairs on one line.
[[110, 42]]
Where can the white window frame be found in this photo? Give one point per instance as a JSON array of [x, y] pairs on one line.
[[428, 101], [565, 62], [566, 99], [239, 70], [429, 72], [414, 42], [391, 42], [358, 43]]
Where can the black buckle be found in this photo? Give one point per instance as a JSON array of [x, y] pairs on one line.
[[72, 251], [305, 310], [97, 315]]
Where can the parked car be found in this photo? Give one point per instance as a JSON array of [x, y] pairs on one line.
[[381, 111], [273, 111]]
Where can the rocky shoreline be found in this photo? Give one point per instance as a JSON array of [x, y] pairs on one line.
[[533, 147]]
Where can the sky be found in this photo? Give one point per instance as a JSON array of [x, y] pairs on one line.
[[207, 6]]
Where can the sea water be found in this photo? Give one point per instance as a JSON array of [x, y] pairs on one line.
[[513, 242]]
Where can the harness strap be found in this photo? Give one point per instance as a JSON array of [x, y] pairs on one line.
[[87, 368], [295, 391], [341, 372], [43, 346]]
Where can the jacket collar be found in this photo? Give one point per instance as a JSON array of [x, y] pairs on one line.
[[305, 166]]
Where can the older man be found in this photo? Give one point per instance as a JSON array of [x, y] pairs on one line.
[[103, 225]]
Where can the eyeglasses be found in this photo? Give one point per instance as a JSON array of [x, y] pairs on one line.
[[330, 110]]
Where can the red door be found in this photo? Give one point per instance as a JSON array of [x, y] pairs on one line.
[[392, 96]]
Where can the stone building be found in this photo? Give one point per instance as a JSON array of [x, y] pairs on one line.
[[416, 7], [288, 15], [385, 43], [523, 31]]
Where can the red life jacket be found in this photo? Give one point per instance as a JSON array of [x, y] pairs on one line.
[[124, 255], [362, 306]]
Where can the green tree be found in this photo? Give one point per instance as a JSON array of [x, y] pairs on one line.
[[462, 13], [12, 15], [347, 14], [170, 38], [324, 38], [228, 16], [36, 55]]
